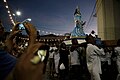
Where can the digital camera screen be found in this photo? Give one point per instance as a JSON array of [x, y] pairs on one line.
[[21, 27]]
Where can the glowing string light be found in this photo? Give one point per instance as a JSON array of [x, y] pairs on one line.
[[46, 32], [9, 13], [4, 0], [6, 6]]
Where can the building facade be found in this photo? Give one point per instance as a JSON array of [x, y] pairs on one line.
[[108, 15]]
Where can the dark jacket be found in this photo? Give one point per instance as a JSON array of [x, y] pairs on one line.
[[7, 63]]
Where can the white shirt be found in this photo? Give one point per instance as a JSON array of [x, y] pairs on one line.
[[74, 58], [51, 54], [117, 51], [93, 54]]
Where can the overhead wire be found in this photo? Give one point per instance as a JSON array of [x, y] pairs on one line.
[[94, 14], [91, 16]]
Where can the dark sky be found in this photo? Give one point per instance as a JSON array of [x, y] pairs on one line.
[[54, 16]]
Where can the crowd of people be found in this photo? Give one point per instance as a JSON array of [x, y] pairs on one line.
[[21, 60], [92, 60]]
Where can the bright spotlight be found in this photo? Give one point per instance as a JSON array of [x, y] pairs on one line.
[[18, 13]]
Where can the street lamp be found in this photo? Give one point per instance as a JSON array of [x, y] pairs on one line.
[[18, 13]]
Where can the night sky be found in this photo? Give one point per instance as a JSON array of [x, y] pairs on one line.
[[54, 16]]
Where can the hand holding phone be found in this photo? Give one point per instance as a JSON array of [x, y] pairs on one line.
[[21, 25]]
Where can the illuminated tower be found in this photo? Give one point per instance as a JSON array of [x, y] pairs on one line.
[[78, 30]]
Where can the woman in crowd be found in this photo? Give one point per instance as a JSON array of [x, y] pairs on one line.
[[63, 62], [51, 61], [56, 61]]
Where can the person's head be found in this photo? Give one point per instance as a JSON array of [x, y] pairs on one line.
[[92, 32], [90, 39], [2, 36], [1, 30], [74, 41], [63, 45], [118, 42]]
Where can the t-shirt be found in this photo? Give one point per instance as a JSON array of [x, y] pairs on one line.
[[75, 57], [51, 54]]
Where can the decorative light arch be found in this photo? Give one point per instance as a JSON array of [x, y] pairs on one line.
[[9, 12]]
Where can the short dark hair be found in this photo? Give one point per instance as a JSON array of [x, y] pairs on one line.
[[118, 42], [89, 37], [74, 41]]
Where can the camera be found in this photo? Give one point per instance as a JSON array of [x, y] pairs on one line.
[[21, 25]]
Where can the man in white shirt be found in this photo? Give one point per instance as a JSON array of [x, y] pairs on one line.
[[117, 51], [75, 61], [93, 54]]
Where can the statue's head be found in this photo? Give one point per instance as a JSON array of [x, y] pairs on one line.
[[77, 22]]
